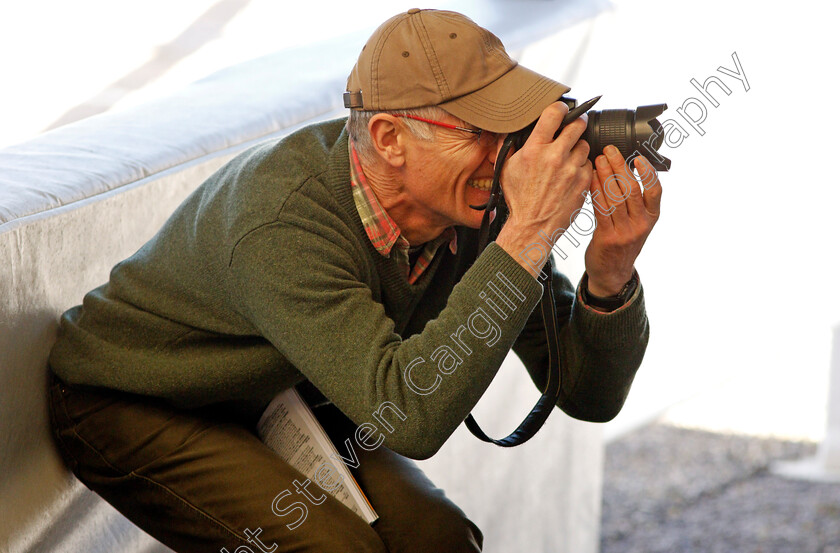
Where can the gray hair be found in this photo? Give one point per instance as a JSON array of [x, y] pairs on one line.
[[357, 127]]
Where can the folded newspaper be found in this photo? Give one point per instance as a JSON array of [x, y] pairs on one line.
[[289, 427]]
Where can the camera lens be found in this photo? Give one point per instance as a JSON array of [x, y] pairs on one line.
[[631, 131]]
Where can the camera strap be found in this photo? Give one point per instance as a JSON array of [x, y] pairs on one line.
[[544, 406]]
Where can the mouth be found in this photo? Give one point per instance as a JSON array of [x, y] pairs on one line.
[[482, 183]]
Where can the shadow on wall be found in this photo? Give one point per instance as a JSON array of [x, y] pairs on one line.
[[206, 28]]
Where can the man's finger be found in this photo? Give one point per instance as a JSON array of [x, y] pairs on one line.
[[548, 123], [579, 155], [600, 205], [653, 188], [634, 202], [615, 189], [571, 133]]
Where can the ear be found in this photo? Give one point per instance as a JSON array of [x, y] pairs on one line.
[[388, 138]]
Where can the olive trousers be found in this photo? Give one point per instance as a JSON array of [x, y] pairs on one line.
[[201, 481]]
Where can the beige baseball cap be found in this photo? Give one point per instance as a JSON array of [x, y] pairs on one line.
[[442, 58]]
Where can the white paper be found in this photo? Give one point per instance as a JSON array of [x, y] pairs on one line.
[[289, 427]]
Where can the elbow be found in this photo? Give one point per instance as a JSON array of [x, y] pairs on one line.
[[599, 416], [417, 449], [592, 412], [415, 437], [419, 454], [419, 444], [598, 402]]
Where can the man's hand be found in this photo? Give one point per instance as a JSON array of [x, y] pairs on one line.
[[623, 224], [544, 182]]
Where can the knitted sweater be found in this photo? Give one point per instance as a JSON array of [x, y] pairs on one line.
[[264, 278]]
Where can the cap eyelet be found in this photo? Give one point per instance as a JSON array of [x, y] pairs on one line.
[[453, 35], [405, 54]]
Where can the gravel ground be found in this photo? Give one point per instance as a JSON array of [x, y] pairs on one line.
[[674, 490]]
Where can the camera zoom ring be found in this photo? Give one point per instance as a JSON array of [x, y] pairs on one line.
[[614, 129]]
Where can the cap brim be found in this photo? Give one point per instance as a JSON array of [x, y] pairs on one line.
[[509, 103]]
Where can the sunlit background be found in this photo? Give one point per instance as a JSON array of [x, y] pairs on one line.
[[740, 274]]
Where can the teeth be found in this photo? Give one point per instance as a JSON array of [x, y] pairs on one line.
[[481, 184]]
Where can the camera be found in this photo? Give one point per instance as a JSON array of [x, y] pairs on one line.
[[633, 132]]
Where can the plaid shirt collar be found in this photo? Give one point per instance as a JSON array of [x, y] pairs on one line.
[[384, 233]]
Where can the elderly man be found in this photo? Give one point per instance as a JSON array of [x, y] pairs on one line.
[[341, 260]]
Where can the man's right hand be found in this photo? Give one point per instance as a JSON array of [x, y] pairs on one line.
[[544, 182]]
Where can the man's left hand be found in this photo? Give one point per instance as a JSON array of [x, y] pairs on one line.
[[625, 219]]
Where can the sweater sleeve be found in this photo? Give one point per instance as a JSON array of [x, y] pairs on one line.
[[305, 290], [600, 352]]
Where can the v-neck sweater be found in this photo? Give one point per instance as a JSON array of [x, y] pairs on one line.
[[264, 278]]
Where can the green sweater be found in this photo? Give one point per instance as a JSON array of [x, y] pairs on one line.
[[264, 278]]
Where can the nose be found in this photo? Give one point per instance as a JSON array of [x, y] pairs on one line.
[[493, 149]]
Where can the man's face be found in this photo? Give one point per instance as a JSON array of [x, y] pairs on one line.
[[446, 175]]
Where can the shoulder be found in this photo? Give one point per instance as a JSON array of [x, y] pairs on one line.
[[279, 167], [296, 189], [262, 182], [306, 150]]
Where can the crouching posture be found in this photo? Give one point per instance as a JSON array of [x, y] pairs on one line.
[[342, 260]]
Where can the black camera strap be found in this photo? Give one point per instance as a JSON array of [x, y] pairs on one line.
[[539, 414]]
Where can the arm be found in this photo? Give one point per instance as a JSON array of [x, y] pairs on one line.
[[600, 352], [312, 300]]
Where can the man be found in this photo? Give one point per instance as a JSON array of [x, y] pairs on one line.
[[345, 265]]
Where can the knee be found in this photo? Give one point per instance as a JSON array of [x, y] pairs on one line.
[[339, 534], [324, 543], [448, 529], [342, 542]]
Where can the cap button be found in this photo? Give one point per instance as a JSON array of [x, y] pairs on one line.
[[413, 11]]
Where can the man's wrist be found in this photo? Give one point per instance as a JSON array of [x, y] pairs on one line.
[[519, 249], [604, 289], [608, 302]]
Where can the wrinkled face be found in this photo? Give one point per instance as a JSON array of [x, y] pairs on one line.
[[446, 175]]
